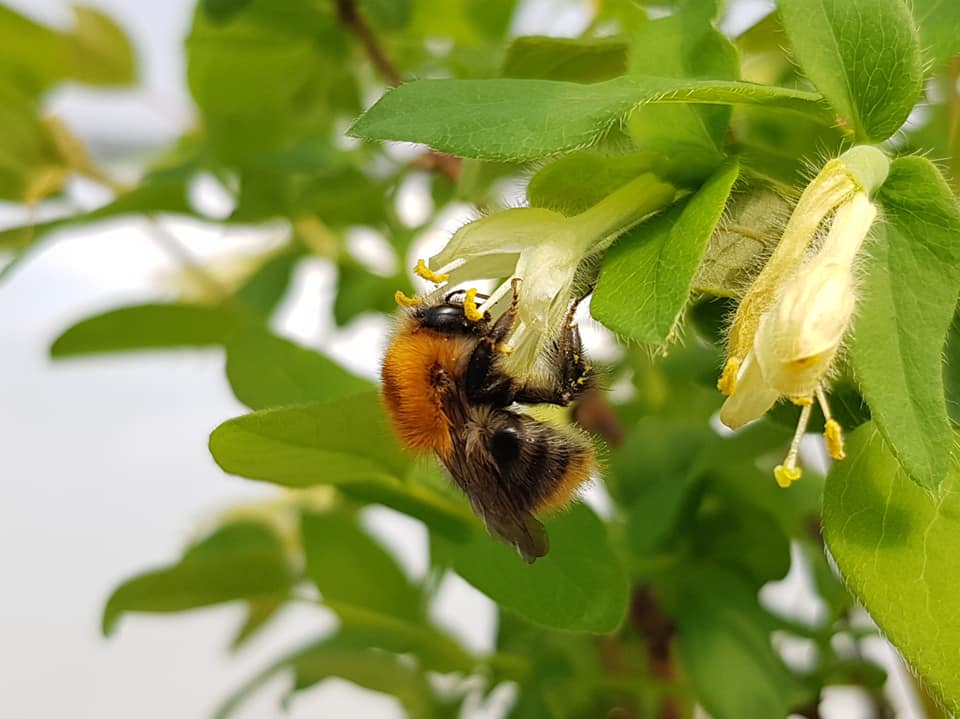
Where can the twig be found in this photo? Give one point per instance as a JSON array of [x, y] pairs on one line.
[[351, 19], [648, 618]]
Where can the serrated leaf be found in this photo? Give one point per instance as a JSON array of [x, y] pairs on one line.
[[908, 301], [896, 545], [268, 371], [143, 327], [505, 119], [863, 55], [348, 566], [242, 560], [580, 585], [570, 59], [939, 23], [647, 275]]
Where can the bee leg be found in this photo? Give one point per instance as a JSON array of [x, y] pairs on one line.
[[572, 373], [481, 387]]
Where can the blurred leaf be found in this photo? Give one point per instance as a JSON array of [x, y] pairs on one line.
[[720, 625], [388, 14], [939, 23], [571, 59], [142, 327], [896, 545], [579, 585], [340, 656], [348, 566], [259, 613], [863, 55], [242, 560], [266, 287], [359, 291], [655, 263], [506, 119], [98, 51], [34, 57], [223, 10], [31, 164], [683, 45], [267, 76], [651, 475], [166, 194], [724, 532], [908, 303], [268, 371]]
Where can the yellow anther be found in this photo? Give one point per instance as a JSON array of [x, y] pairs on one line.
[[405, 301], [421, 270], [503, 348], [786, 476], [728, 379], [470, 306], [802, 401], [833, 436]]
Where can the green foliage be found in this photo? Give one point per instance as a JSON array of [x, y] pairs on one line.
[[899, 341], [655, 263], [650, 607], [863, 55], [896, 544]]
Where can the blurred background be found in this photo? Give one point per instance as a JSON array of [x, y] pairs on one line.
[[104, 463]]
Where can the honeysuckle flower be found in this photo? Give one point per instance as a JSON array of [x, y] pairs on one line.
[[792, 321], [547, 251]]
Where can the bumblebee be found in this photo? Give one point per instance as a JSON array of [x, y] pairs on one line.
[[447, 390]]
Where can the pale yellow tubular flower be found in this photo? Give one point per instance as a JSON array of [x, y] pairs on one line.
[[807, 310], [544, 249]]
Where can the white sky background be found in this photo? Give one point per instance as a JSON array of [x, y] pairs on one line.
[[104, 469]]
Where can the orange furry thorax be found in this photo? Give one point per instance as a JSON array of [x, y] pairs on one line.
[[410, 393]]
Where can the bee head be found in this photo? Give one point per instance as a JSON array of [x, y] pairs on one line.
[[448, 318]]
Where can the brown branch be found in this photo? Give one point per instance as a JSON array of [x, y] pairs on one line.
[[648, 618], [595, 414], [434, 161], [350, 18]]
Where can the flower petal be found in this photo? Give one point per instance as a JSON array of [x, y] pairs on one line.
[[751, 399]]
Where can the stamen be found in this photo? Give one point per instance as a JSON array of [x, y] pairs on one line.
[[832, 431], [470, 306], [788, 472], [404, 301], [421, 270], [728, 379], [496, 295], [802, 400]]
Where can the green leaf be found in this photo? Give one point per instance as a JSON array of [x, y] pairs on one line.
[[34, 57], [863, 55], [683, 45], [388, 14], [579, 585], [142, 327], [341, 655], [98, 51], [896, 545], [267, 371], [348, 566], [506, 119], [223, 10], [266, 287], [259, 614], [242, 560], [719, 626], [267, 77], [330, 443], [345, 443], [951, 370], [647, 275], [908, 300], [571, 59], [939, 22]]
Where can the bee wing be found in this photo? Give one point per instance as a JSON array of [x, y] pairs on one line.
[[512, 525], [477, 473]]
